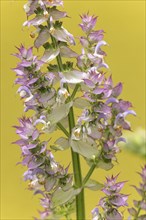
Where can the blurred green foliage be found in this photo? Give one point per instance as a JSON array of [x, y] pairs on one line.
[[136, 142]]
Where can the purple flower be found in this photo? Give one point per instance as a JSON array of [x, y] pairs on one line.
[[120, 119], [24, 53], [44, 214], [96, 36], [26, 129], [98, 52], [88, 22], [98, 129], [84, 42], [119, 200], [113, 214], [28, 69], [113, 199], [117, 90], [95, 214]]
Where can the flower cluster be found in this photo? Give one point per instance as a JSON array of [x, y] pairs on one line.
[[44, 174], [103, 117], [92, 56], [49, 105], [34, 85], [138, 212], [112, 201], [50, 91]]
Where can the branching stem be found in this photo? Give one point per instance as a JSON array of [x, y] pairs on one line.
[[63, 129], [87, 177]]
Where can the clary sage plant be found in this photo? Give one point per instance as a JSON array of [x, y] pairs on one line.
[[52, 90]]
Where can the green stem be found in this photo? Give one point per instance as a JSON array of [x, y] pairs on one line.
[[75, 91], [70, 98], [139, 209], [80, 207], [63, 129], [59, 61], [92, 168]]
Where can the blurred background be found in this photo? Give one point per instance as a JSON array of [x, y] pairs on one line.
[[124, 25]]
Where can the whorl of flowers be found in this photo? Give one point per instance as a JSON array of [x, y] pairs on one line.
[[52, 95], [112, 201], [138, 212]]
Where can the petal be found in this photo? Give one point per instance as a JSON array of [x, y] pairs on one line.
[[56, 14], [73, 76], [98, 91], [67, 52], [42, 38], [38, 20], [50, 55], [99, 44], [131, 112], [89, 83], [117, 89], [63, 35]]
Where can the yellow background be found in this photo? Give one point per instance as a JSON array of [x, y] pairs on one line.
[[123, 22]]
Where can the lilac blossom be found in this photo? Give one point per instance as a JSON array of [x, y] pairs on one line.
[[51, 93], [112, 201], [107, 113], [44, 173], [88, 22]]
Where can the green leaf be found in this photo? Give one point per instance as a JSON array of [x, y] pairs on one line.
[[81, 103], [136, 142], [93, 185], [50, 55], [42, 37], [84, 149], [61, 144], [105, 166], [61, 197], [67, 52], [49, 183], [59, 113], [64, 122]]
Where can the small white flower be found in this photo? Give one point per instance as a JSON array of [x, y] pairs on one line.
[[23, 93], [76, 133], [54, 166], [62, 95], [34, 184]]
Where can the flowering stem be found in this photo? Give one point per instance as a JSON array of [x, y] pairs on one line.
[[80, 207], [63, 129], [59, 61], [92, 168]]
